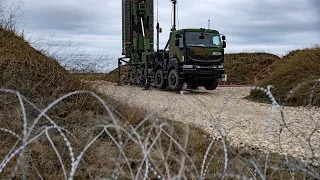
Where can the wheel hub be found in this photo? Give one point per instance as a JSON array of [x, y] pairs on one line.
[[173, 79], [158, 79]]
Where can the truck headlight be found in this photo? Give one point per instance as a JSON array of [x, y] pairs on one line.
[[216, 53]]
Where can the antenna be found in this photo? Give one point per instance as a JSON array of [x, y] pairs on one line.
[[178, 15], [174, 4], [208, 23], [158, 28]]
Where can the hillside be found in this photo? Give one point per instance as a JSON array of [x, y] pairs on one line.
[[36, 76], [294, 79], [248, 68], [41, 80]]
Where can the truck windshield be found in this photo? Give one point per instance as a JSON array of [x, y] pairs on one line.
[[210, 39]]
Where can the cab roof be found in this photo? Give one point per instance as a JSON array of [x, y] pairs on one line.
[[198, 30]]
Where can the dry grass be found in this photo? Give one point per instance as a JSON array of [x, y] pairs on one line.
[[295, 79], [89, 76], [124, 75], [32, 73], [112, 76], [132, 144], [248, 68], [41, 80]]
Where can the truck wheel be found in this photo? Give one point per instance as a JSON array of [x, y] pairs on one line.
[[159, 79], [211, 85], [134, 75], [137, 75], [174, 80]]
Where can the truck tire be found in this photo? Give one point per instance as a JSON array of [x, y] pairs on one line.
[[211, 85], [136, 75], [175, 83], [159, 79]]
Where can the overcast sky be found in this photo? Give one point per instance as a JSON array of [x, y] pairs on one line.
[[275, 26]]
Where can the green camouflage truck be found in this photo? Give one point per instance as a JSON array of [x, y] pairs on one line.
[[191, 56]]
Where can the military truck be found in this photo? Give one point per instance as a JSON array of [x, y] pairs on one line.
[[191, 56]]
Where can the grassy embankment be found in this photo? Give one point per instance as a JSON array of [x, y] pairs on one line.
[[295, 79]]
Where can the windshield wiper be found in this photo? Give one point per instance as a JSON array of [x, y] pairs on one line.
[[215, 46], [202, 45], [197, 45]]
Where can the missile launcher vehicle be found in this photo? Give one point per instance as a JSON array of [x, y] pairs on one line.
[[191, 56]]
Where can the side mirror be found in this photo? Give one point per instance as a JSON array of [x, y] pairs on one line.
[[224, 44], [223, 38], [177, 42]]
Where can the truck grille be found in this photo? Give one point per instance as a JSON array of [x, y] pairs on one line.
[[207, 57]]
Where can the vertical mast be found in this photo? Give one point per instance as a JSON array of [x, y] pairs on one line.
[[126, 28], [158, 28], [174, 4]]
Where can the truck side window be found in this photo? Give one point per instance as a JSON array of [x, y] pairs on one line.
[[181, 41]]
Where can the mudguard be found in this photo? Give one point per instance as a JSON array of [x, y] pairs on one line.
[[173, 63]]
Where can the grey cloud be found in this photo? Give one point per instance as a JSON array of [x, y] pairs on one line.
[[316, 5], [269, 22], [64, 18]]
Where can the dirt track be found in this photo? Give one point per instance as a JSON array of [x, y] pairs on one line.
[[245, 123]]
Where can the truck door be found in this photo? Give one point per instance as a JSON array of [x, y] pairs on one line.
[[176, 49]]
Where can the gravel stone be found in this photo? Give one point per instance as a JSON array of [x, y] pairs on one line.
[[244, 123]]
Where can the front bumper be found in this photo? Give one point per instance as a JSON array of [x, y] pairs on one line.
[[202, 72]]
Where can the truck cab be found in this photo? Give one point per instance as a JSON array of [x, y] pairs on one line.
[[196, 56]]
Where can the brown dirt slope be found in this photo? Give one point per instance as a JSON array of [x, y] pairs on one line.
[[41, 80], [248, 68], [296, 72], [124, 77], [30, 72]]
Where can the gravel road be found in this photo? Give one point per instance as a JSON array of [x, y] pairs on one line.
[[245, 123]]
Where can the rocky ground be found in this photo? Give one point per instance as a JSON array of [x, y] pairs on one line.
[[244, 123]]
